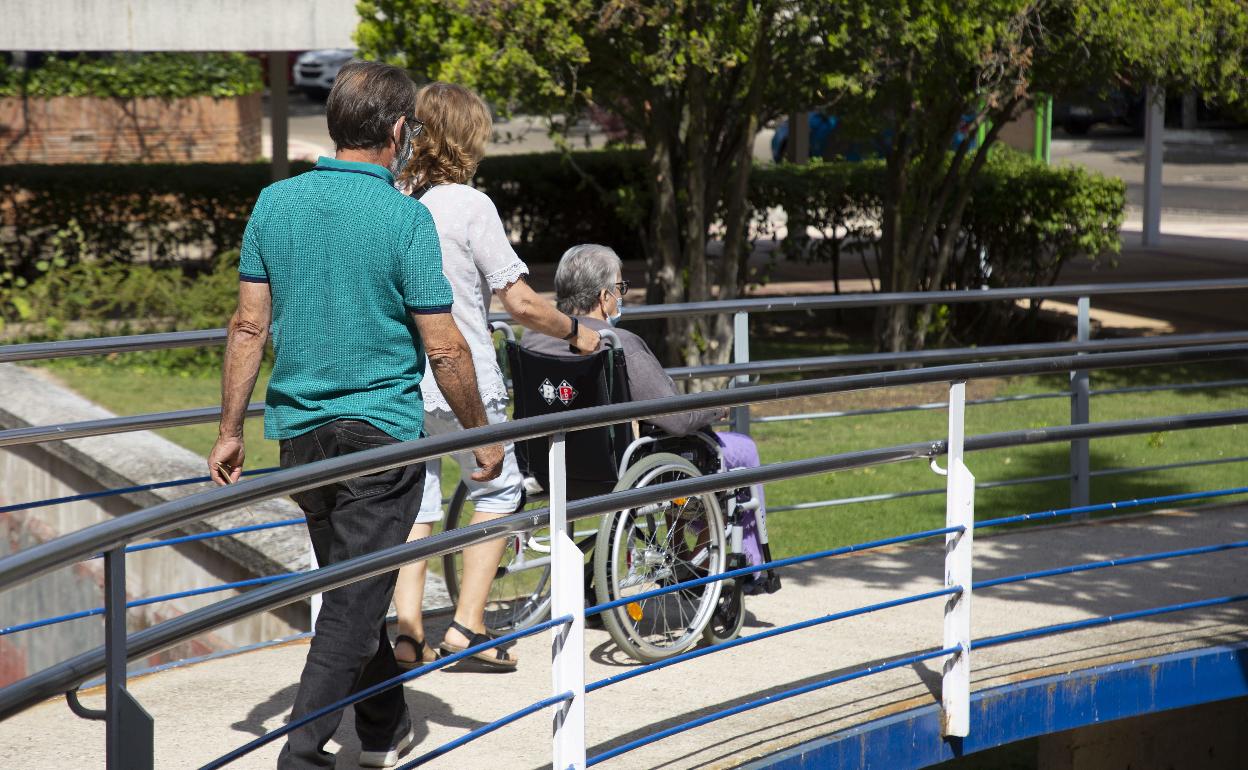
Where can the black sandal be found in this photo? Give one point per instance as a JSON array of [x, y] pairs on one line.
[[494, 659], [419, 646]]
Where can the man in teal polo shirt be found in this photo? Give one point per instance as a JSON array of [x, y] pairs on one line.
[[347, 273]]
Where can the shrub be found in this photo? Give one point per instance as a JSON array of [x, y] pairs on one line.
[[125, 75], [1025, 221]]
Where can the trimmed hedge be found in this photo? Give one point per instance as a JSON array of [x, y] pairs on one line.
[[158, 213], [128, 76], [1023, 222]]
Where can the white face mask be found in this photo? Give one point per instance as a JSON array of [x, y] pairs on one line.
[[614, 318]]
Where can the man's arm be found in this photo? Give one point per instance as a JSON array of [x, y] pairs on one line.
[[451, 361], [244, 347], [533, 312]]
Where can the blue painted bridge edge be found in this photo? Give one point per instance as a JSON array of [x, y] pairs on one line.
[[1027, 709]]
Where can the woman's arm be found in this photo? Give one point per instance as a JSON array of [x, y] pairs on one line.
[[504, 271], [532, 312]]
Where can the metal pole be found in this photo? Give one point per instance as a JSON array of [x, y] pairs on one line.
[[1080, 414], [115, 651], [128, 743], [955, 690], [1048, 129], [1154, 133], [279, 112], [741, 354], [567, 669]]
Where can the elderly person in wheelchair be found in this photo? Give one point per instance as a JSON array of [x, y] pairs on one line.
[[661, 544]]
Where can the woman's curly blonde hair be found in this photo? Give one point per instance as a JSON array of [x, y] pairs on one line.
[[457, 126]]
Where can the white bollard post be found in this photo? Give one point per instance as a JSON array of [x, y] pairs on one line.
[[955, 689], [741, 355], [314, 599], [567, 566]]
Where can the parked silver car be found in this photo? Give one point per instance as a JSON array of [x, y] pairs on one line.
[[315, 71]]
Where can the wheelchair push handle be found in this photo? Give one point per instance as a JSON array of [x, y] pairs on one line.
[[505, 328], [611, 339]]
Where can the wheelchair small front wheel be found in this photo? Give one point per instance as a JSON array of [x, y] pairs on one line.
[[655, 546], [520, 594], [729, 615]]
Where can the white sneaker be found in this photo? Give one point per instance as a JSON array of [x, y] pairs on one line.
[[387, 757]]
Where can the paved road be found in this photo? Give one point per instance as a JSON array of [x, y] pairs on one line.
[[207, 709]]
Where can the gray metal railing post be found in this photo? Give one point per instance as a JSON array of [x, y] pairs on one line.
[[567, 564], [128, 735], [1080, 414], [741, 355], [955, 690]]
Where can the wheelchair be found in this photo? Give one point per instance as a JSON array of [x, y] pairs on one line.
[[630, 551]]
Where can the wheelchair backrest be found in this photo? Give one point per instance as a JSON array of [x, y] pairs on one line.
[[544, 384]]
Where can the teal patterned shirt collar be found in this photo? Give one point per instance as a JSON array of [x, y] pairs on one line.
[[353, 166]]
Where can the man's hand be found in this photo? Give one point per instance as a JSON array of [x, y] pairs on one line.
[[490, 460], [587, 340], [225, 461]]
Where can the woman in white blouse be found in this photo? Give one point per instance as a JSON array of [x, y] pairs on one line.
[[478, 260]]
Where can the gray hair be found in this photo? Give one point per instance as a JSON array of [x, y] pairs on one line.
[[583, 272]]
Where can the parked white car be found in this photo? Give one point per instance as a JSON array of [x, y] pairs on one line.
[[315, 70]]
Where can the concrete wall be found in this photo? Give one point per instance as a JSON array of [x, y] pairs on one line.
[[176, 25], [93, 130], [56, 469], [1213, 736]]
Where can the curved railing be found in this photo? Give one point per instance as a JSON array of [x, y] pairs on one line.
[[114, 537]]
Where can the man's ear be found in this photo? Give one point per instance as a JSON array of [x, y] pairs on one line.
[[396, 132]]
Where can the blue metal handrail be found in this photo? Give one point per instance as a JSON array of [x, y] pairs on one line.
[[769, 633], [1105, 620], [775, 564], [249, 583], [120, 491], [486, 729], [368, 692], [773, 698]]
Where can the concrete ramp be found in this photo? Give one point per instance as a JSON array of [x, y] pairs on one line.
[[206, 709]]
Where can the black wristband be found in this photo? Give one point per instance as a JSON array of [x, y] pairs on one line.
[[576, 327]]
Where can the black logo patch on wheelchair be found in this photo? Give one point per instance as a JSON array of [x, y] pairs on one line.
[[563, 392]]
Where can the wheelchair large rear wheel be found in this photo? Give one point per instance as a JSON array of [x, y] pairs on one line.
[[655, 546], [520, 594]]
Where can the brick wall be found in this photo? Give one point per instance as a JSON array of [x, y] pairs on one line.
[[68, 129]]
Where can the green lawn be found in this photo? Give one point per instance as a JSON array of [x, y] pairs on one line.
[[133, 390]]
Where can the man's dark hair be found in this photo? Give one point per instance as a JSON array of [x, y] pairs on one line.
[[366, 100]]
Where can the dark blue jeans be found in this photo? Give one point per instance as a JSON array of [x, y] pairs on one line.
[[350, 649]]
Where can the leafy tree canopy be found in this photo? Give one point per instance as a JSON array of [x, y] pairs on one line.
[[694, 79]]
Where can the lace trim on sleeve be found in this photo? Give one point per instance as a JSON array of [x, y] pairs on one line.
[[501, 279]]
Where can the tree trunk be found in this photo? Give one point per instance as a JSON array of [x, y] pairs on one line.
[[692, 331], [666, 284]]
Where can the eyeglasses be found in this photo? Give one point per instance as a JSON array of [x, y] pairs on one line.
[[622, 286], [417, 125]]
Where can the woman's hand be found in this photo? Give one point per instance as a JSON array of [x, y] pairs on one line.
[[587, 340]]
